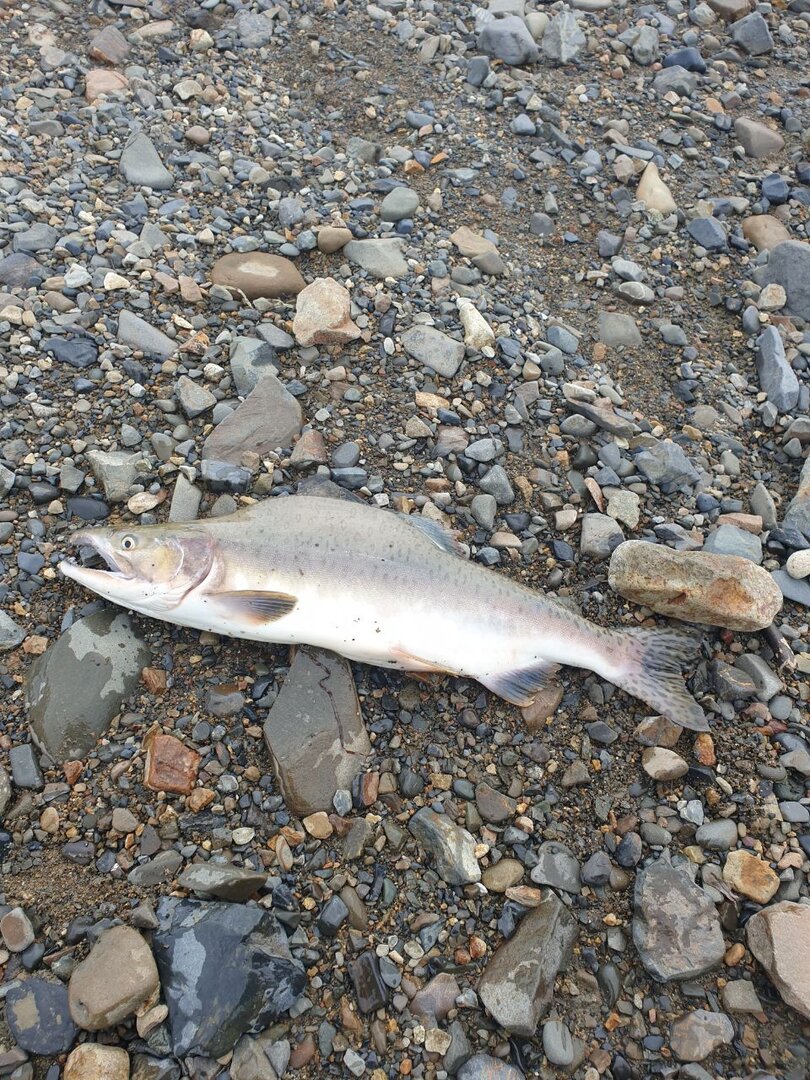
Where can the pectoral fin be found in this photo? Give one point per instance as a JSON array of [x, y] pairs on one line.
[[256, 607], [519, 687]]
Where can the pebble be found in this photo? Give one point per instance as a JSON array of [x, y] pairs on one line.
[[697, 1034], [323, 314], [750, 876], [118, 976]]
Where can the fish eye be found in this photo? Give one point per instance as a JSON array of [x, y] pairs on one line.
[[128, 543]]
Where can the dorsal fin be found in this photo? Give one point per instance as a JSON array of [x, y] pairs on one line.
[[437, 533]]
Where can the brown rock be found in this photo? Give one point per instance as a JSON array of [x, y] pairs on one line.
[[697, 1034], [156, 680], [750, 876], [757, 139], [109, 46], [663, 764], [257, 273], [100, 81], [118, 976], [472, 244], [764, 231], [331, 239], [654, 192], [730, 10], [92, 1061], [170, 765], [199, 798], [302, 1053], [712, 590], [268, 418], [198, 135], [309, 450], [779, 937], [542, 708], [323, 314]]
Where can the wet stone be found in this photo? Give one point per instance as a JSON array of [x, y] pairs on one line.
[[236, 883], [452, 847], [38, 1017], [697, 1034], [25, 769], [368, 985], [117, 977]]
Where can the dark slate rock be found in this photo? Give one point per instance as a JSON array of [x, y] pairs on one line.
[[368, 984], [225, 970], [25, 767], [38, 1016], [21, 271], [78, 352], [76, 687], [689, 59], [708, 232], [789, 266]]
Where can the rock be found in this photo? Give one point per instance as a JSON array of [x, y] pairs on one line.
[[712, 590], [323, 314], [451, 847], [11, 635], [38, 1017], [40, 237], [116, 471], [257, 274], [478, 334], [666, 465], [211, 1003], [654, 192], [600, 536], [399, 203], [253, 29], [739, 996], [708, 232], [752, 34], [25, 769], [315, 731], [251, 359], [485, 1067], [20, 271], [156, 871], [138, 334], [140, 164], [779, 937], [730, 10], [789, 266], [77, 686], [16, 930], [750, 876], [508, 39], [558, 1045], [517, 985], [331, 239], [617, 329], [236, 883], [675, 79], [481, 251], [765, 231], [646, 47], [434, 349], [269, 418], [170, 765], [697, 1034], [369, 987], [108, 45], [118, 976], [663, 764], [563, 40], [797, 515], [731, 541], [503, 875], [194, 399], [717, 835], [776, 377], [93, 1061], [556, 868], [100, 82], [5, 791], [676, 929], [757, 139], [380, 258]]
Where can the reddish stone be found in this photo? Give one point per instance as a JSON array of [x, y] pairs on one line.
[[154, 679], [369, 788], [170, 765], [72, 771], [199, 798], [303, 1053], [100, 81], [109, 46]]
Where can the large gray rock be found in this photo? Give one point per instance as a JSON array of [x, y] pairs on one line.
[[137, 333], [251, 359], [11, 634], [789, 266], [116, 471], [315, 731], [434, 349], [518, 982], [666, 465], [676, 928], [752, 34], [563, 41], [779, 937], [117, 977], [776, 377], [140, 164], [76, 687], [38, 1017], [269, 418], [508, 39], [730, 540], [452, 848], [223, 881], [380, 258], [225, 971]]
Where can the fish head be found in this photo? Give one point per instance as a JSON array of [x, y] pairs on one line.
[[150, 568]]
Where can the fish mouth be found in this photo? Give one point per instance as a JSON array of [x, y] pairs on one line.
[[115, 566]]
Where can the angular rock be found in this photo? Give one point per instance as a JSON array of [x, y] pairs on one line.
[[11, 635], [563, 40], [663, 764], [118, 976], [697, 1034], [712, 590], [137, 333], [194, 399], [485, 1067], [666, 465], [398, 204], [269, 418], [600, 536], [789, 266], [776, 377], [675, 79], [751, 33], [315, 731], [434, 349], [380, 258], [257, 274], [452, 848], [779, 937], [481, 251], [170, 764], [251, 359], [213, 1003], [323, 314], [140, 164], [617, 329], [237, 883], [750, 876], [508, 39], [38, 1016], [729, 540], [108, 45], [757, 139], [93, 1061], [116, 471], [76, 687], [676, 928], [517, 985]]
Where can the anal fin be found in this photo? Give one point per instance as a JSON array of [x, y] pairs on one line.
[[519, 687], [257, 607], [409, 662]]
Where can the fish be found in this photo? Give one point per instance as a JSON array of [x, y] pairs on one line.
[[379, 587]]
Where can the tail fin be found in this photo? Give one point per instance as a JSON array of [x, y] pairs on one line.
[[649, 666]]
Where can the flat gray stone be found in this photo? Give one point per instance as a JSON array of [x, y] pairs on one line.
[[508, 39], [789, 266], [434, 349], [452, 847], [11, 634], [236, 883], [251, 359], [380, 258], [269, 418], [776, 377], [76, 687], [315, 731], [140, 164], [137, 333]]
